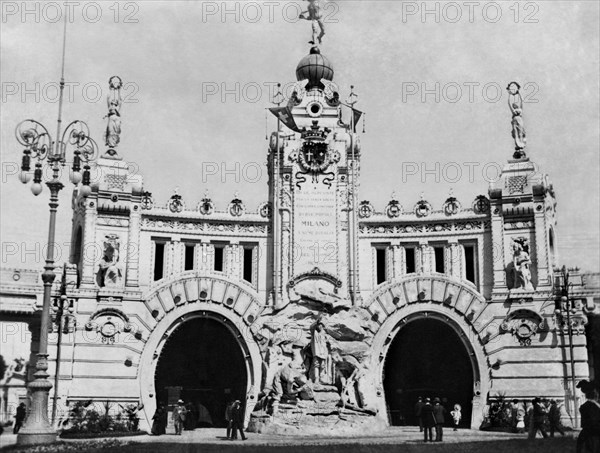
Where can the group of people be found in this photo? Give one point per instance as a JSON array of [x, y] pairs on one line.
[[184, 417], [234, 416], [542, 414], [434, 416]]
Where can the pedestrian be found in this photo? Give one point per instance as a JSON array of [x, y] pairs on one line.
[[439, 413], [179, 415], [538, 416], [589, 437], [456, 416], [19, 418], [237, 417], [229, 418], [554, 419], [418, 409], [520, 425], [191, 420], [428, 420], [159, 421]]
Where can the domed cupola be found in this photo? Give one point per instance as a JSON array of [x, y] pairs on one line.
[[314, 67]]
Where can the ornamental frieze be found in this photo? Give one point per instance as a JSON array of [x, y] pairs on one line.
[[204, 227], [440, 227]]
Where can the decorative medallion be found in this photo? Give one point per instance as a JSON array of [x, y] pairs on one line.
[[266, 210], [365, 210], [206, 205], [394, 208], [481, 205], [175, 203], [422, 208], [236, 207], [451, 206], [147, 201], [109, 322], [523, 324]]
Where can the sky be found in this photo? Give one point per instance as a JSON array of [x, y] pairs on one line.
[[431, 77]]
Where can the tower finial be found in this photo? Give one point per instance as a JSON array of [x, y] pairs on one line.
[[515, 104], [314, 14]]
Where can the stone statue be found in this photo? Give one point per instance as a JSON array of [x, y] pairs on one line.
[[315, 15], [521, 263], [355, 390], [319, 345], [110, 273], [515, 103], [289, 384], [114, 103]]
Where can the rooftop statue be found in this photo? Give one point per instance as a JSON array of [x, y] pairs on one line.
[[314, 14], [114, 103], [515, 103]]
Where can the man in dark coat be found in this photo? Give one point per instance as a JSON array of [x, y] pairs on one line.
[[538, 416], [229, 418], [428, 420], [439, 413], [418, 409], [554, 419], [237, 416], [19, 418]]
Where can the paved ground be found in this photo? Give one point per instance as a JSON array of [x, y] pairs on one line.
[[405, 439]]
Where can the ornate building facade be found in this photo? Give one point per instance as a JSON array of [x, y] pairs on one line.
[[317, 306]]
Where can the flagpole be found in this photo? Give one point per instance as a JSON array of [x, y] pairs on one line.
[[277, 294], [353, 252]]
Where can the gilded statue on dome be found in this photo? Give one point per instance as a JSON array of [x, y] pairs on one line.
[[315, 15]]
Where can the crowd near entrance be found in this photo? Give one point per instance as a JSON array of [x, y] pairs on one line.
[[427, 359], [201, 364]]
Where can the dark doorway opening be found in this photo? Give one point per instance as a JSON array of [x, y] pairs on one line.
[[203, 364], [428, 359]]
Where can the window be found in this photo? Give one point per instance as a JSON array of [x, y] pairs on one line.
[[440, 265], [470, 263], [380, 264], [219, 258], [188, 264], [411, 261], [159, 260], [248, 271]]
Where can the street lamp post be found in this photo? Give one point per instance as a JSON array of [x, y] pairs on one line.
[[564, 311], [62, 308], [39, 145]]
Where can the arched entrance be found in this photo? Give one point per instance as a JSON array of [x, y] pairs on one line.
[[177, 303], [427, 358], [202, 363]]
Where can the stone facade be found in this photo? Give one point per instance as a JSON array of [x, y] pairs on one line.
[[314, 254]]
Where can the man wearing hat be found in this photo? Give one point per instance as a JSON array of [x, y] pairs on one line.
[[179, 414], [428, 420], [439, 413], [418, 410], [237, 418], [538, 415]]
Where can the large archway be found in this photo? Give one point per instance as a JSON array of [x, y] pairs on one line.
[[203, 364], [427, 358]]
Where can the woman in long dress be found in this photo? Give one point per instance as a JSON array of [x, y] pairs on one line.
[[159, 421], [589, 438]]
